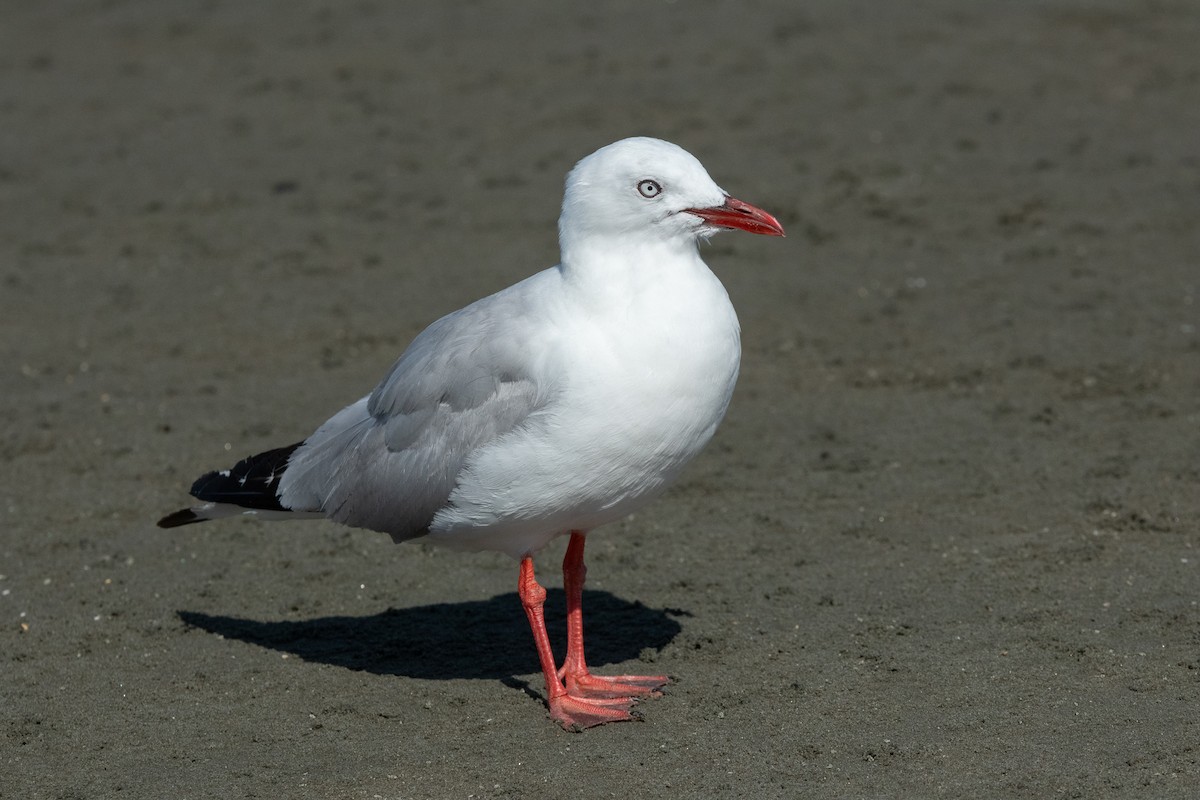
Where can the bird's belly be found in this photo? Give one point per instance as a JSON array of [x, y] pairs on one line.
[[624, 429]]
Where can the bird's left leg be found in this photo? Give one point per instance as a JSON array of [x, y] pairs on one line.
[[577, 679], [573, 712]]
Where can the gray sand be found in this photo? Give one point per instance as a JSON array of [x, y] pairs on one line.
[[947, 542]]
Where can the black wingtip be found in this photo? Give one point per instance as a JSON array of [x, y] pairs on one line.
[[182, 517], [252, 483]]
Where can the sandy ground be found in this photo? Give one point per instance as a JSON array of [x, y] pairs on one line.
[[947, 543]]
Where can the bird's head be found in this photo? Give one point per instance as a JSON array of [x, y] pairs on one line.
[[647, 188]]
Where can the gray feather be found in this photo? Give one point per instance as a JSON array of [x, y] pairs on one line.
[[391, 461]]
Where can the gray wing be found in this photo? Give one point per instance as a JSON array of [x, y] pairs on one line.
[[390, 461]]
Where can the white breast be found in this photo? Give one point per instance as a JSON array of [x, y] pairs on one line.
[[643, 384]]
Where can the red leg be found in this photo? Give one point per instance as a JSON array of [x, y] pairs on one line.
[[578, 681], [570, 711]]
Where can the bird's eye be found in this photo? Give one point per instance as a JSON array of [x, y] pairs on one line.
[[649, 188]]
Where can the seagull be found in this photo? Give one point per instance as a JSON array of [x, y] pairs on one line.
[[560, 404]]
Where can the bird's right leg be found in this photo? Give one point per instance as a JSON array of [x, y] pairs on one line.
[[576, 676], [573, 713]]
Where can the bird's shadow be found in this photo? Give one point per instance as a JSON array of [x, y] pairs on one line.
[[481, 639]]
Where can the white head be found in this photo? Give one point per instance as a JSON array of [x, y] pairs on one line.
[[648, 189]]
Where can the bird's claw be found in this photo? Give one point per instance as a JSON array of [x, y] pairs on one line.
[[598, 686], [577, 713]]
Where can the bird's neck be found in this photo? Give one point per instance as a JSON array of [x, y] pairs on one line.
[[615, 266]]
